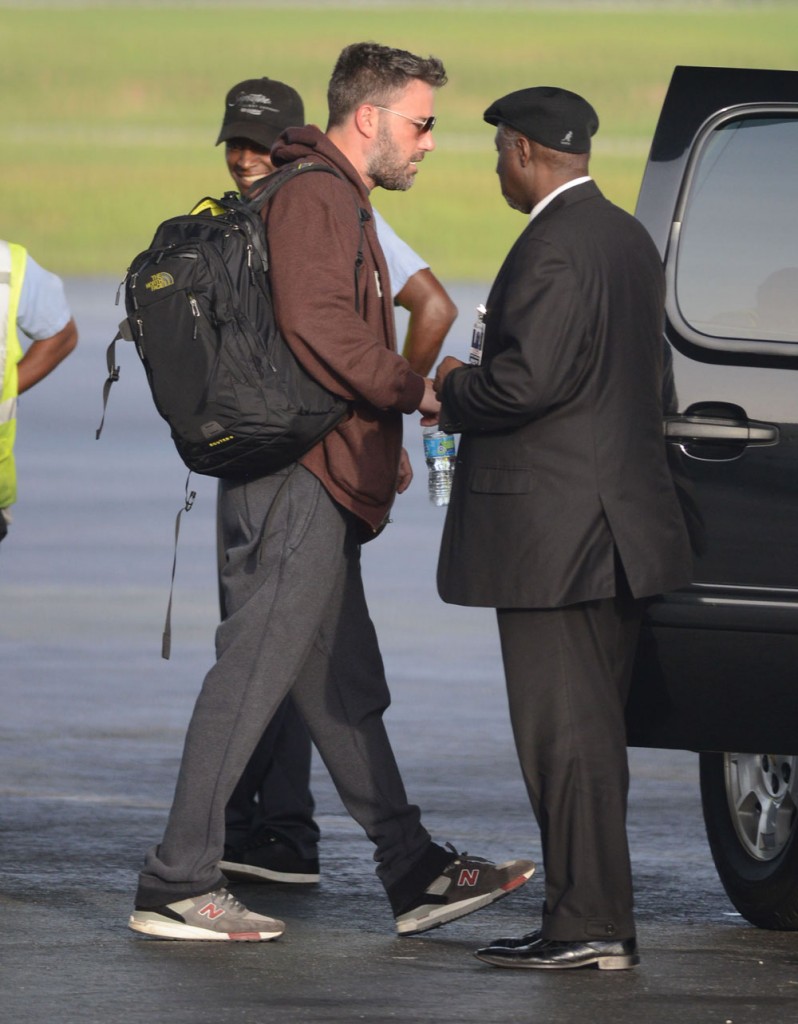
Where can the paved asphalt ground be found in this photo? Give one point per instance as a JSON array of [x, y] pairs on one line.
[[90, 741]]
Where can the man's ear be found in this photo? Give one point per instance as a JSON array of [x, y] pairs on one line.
[[523, 148], [367, 119]]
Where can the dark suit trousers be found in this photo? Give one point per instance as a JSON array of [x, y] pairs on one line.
[[568, 672]]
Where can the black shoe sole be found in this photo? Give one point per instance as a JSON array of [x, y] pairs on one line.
[[250, 873], [603, 963]]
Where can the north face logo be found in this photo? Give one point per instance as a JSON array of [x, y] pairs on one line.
[[159, 280], [567, 139], [211, 911], [468, 877]]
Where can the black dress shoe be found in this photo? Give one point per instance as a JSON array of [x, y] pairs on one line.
[[522, 940], [551, 954]]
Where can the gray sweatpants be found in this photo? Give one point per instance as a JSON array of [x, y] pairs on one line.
[[297, 621]]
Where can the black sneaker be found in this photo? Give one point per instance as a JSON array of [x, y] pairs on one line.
[[269, 858], [213, 915], [467, 884]]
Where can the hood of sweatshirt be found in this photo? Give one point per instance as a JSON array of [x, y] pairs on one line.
[[310, 142]]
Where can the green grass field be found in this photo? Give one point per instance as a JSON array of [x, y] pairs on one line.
[[111, 111]]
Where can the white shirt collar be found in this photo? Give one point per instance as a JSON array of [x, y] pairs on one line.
[[547, 199]]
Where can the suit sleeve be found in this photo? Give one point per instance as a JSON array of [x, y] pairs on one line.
[[536, 354]]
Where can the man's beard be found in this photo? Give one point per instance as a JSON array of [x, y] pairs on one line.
[[384, 169], [513, 204]]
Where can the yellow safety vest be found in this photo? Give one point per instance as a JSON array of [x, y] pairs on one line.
[[13, 260]]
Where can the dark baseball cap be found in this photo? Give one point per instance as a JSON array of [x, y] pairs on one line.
[[259, 109], [556, 118]]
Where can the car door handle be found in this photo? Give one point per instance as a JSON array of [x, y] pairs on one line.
[[717, 431]]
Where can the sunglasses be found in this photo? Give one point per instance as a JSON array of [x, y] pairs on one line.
[[424, 125]]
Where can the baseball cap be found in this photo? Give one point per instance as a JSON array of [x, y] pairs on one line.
[[259, 109], [556, 118]]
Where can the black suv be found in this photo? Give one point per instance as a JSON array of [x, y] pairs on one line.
[[718, 664]]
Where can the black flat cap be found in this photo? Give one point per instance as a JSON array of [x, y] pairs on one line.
[[556, 118]]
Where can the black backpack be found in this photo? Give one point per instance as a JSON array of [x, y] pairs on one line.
[[199, 311]]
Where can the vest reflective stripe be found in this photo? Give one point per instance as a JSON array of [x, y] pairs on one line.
[[5, 303], [13, 259], [8, 410]]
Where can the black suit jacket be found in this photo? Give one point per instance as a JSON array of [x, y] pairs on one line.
[[562, 463]]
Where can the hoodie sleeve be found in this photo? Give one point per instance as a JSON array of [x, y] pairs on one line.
[[313, 234]]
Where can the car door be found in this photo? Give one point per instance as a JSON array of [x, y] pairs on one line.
[[718, 664]]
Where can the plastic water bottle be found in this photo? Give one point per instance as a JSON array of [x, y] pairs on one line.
[[439, 451]]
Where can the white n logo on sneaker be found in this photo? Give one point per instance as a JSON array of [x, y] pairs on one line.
[[468, 877], [211, 911]]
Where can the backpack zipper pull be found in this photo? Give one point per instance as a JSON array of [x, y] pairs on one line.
[[121, 286], [196, 311], [137, 340]]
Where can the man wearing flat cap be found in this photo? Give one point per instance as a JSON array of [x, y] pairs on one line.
[[563, 513]]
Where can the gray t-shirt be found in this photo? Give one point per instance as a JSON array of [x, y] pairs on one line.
[[402, 261]]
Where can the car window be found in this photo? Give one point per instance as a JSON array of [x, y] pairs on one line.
[[734, 267]]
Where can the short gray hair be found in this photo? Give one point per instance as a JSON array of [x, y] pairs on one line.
[[370, 73], [571, 163], [507, 136]]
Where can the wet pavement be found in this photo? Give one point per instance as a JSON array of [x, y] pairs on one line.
[[90, 739]]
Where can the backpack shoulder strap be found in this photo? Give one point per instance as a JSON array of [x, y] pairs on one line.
[[265, 189], [262, 191], [166, 639]]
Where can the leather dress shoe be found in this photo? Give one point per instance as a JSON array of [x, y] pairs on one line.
[[553, 954], [522, 940]]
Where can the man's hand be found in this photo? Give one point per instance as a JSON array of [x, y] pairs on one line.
[[405, 473], [443, 371], [430, 407]]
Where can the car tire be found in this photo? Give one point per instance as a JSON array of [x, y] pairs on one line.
[[750, 804]]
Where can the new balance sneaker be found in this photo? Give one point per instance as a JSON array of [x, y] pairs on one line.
[[269, 858], [467, 884], [214, 915]]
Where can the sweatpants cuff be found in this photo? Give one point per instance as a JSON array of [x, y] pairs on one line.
[[150, 897], [404, 893]]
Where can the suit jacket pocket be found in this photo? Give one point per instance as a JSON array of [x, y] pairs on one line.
[[501, 480]]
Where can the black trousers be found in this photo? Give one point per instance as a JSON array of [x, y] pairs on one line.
[[273, 792], [568, 672]]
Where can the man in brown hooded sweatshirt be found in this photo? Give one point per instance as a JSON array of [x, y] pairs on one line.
[[297, 618]]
